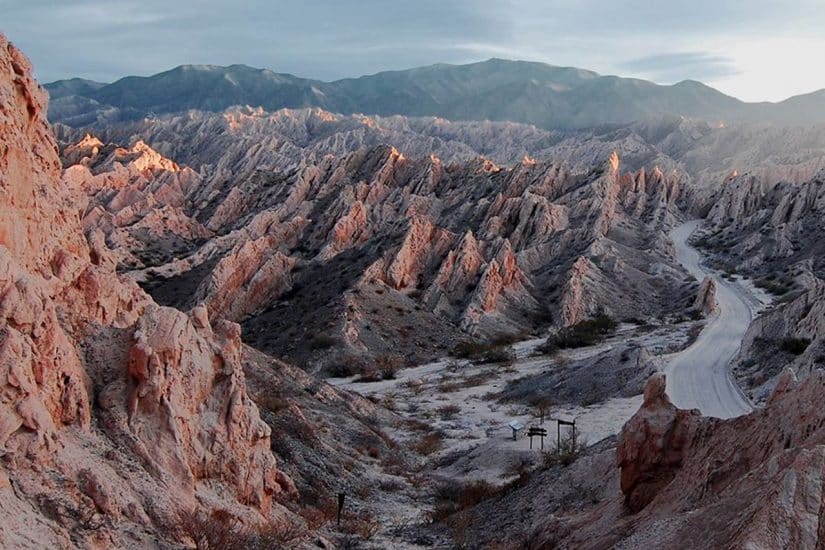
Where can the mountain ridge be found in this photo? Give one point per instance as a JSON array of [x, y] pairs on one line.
[[545, 95]]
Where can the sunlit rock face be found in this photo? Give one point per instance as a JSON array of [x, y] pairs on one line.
[[468, 249], [116, 412]]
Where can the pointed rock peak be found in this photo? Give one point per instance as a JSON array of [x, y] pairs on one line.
[[656, 391], [468, 240], [505, 250], [526, 160], [486, 165], [150, 159], [657, 173], [614, 162], [89, 141], [395, 154], [581, 265]]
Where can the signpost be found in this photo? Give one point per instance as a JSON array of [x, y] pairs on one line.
[[516, 426], [540, 432], [559, 424]]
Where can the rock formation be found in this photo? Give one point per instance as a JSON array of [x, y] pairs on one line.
[[684, 481], [762, 472], [652, 445], [706, 297], [486, 250], [118, 415]]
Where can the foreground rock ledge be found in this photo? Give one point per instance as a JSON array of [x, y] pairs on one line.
[[117, 416], [756, 480]]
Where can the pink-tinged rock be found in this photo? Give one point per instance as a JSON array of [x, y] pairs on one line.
[[652, 445], [706, 297], [186, 406]]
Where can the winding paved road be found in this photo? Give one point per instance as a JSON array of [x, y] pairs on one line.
[[699, 377]]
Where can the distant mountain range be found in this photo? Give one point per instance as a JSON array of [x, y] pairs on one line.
[[519, 91]]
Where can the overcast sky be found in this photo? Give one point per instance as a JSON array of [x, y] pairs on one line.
[[752, 49]]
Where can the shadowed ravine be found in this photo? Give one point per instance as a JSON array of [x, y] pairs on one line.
[[699, 377]]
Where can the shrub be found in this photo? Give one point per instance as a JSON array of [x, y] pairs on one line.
[[448, 412], [272, 402], [221, 530], [499, 355], [484, 353], [370, 375], [454, 496], [429, 443], [469, 349], [795, 346], [585, 333], [568, 450], [363, 526], [346, 366], [323, 341], [388, 365]]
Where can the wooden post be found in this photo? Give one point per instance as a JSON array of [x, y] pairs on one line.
[[341, 497], [558, 437]]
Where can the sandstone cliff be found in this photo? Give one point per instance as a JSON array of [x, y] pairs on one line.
[[469, 247], [118, 415]]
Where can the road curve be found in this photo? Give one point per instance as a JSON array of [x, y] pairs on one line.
[[699, 376]]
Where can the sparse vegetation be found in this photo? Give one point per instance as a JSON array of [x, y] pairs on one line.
[[795, 346], [585, 333], [272, 402], [323, 341], [568, 450], [454, 496], [389, 365], [221, 530], [448, 412], [429, 443], [477, 352], [362, 525]]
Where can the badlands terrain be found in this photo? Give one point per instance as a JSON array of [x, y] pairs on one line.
[[218, 318]]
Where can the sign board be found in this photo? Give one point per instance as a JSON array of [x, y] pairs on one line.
[[516, 426], [536, 432]]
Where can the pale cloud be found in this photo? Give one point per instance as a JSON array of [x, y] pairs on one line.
[[675, 66]]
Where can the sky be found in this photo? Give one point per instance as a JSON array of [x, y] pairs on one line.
[[756, 50]]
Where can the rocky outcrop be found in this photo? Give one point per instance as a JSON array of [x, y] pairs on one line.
[[653, 444], [246, 279], [482, 247], [117, 415], [706, 297], [765, 226], [137, 199], [762, 471], [171, 402]]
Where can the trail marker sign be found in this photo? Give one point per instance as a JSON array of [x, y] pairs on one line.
[[559, 424], [516, 426], [537, 432]]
